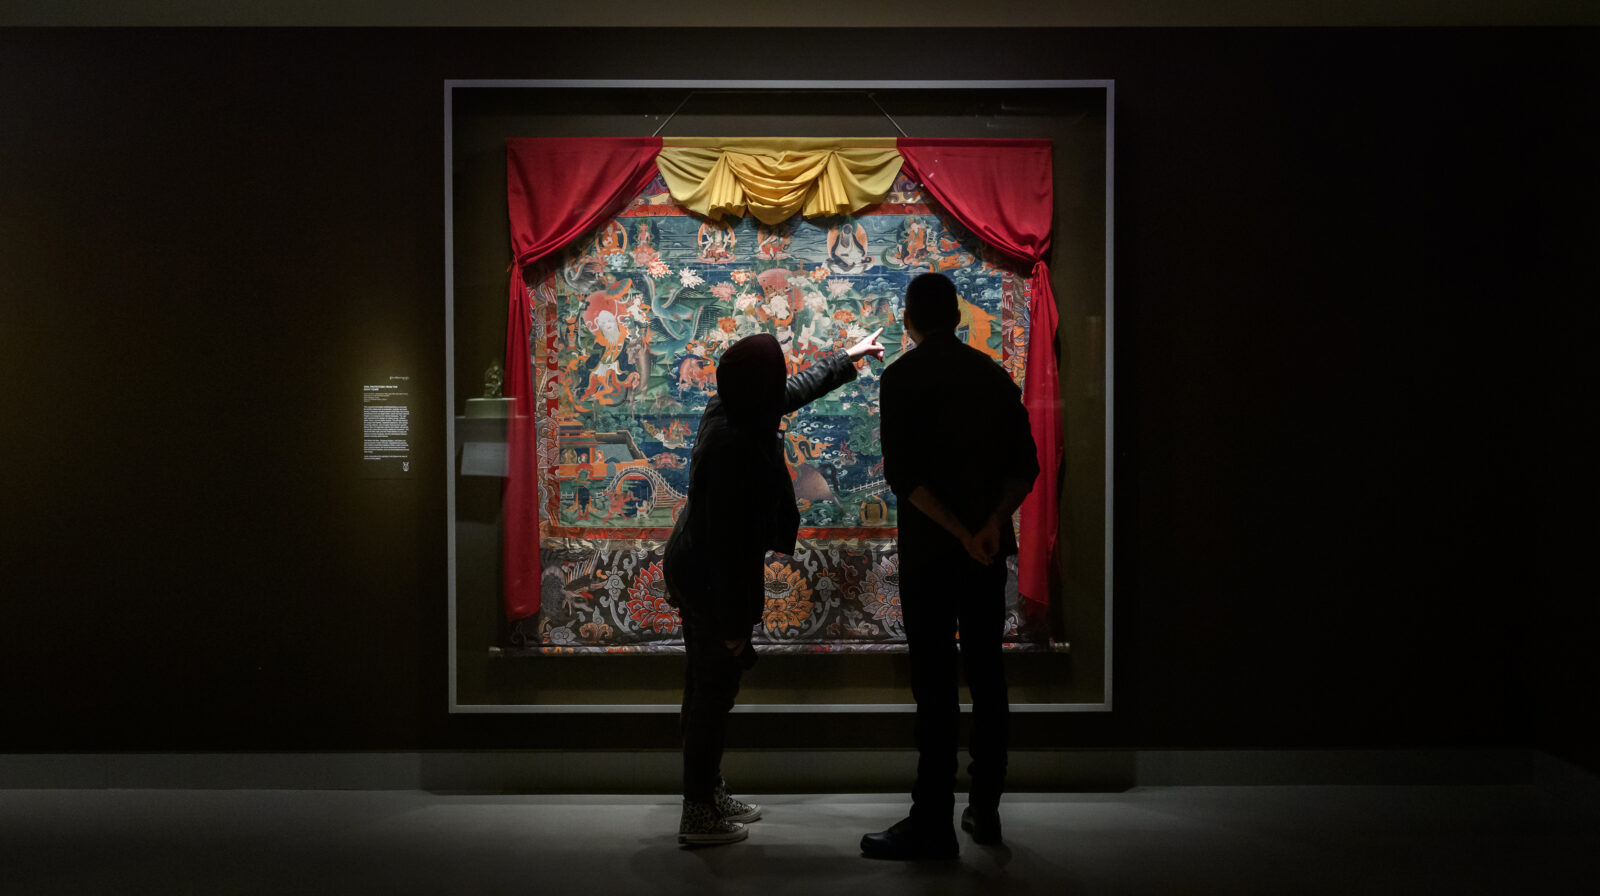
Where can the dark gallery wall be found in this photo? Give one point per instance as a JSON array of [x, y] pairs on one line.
[[1354, 282]]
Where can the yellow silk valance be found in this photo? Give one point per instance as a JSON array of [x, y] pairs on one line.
[[774, 178]]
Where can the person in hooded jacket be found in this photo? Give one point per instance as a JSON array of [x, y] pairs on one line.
[[741, 505]]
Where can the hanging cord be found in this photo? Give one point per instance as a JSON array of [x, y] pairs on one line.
[[874, 98], [870, 96], [663, 124]]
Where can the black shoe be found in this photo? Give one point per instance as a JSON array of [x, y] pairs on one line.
[[910, 842], [982, 824]]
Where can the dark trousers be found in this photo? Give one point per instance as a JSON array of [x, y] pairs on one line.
[[709, 686], [936, 599]]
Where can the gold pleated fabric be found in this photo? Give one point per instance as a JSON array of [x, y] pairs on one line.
[[774, 178]]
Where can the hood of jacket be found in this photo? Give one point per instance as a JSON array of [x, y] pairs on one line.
[[750, 380]]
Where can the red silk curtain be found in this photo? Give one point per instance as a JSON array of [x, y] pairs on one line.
[[557, 190], [1002, 191]]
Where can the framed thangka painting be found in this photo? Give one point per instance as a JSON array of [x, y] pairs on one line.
[[625, 327], [578, 376]]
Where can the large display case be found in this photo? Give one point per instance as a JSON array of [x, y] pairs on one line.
[[623, 317]]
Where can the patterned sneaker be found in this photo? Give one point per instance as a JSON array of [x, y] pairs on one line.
[[701, 826], [732, 809]]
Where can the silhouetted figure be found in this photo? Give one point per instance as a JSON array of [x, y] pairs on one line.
[[960, 458], [741, 505]]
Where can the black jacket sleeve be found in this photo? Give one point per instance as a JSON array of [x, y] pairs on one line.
[[828, 373]]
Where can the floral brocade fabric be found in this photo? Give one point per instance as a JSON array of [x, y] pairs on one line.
[[627, 328]]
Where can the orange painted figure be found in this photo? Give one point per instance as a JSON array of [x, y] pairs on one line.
[[915, 250], [643, 246], [612, 239], [951, 254], [696, 373], [772, 242], [606, 317], [568, 406], [810, 485], [801, 448], [675, 435], [980, 326]]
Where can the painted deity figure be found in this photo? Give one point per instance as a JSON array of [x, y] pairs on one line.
[[716, 241], [606, 317], [778, 309], [847, 249], [612, 239], [568, 405], [911, 248], [952, 255], [772, 242], [644, 250], [816, 332], [782, 297]]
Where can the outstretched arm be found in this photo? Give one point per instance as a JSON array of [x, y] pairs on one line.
[[829, 373], [868, 346]]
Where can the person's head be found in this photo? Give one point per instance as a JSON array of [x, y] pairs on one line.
[[931, 305], [750, 379]]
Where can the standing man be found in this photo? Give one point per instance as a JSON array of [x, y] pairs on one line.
[[960, 458]]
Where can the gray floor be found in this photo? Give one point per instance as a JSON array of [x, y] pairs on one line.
[[1456, 839]]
